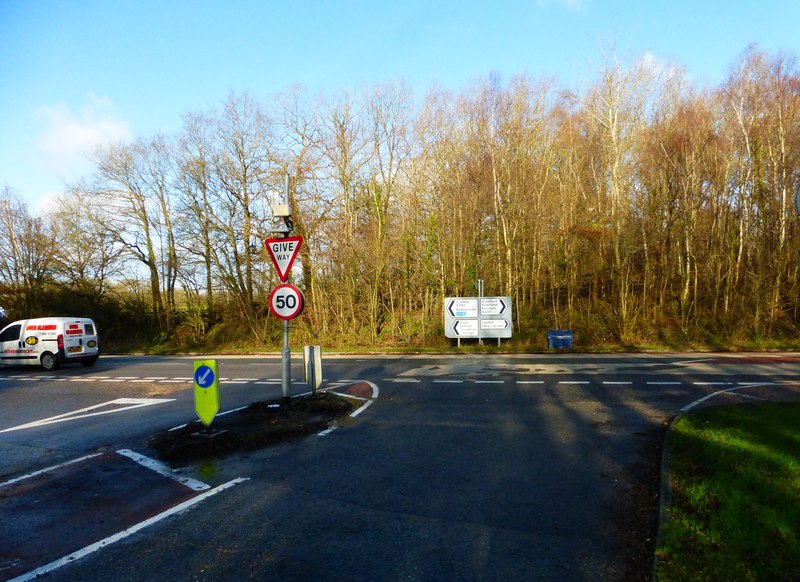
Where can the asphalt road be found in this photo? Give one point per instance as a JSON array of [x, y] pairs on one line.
[[462, 468]]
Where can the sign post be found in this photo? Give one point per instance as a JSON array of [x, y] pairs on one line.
[[285, 301]]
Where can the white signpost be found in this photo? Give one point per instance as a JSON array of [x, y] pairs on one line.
[[478, 317]]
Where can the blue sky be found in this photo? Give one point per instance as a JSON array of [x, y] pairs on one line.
[[78, 73]]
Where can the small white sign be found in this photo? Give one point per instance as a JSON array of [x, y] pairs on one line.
[[494, 324], [463, 307], [493, 306], [466, 328]]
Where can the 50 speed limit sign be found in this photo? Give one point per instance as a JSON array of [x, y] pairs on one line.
[[286, 301]]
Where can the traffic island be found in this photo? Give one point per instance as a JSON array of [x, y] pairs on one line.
[[259, 425]]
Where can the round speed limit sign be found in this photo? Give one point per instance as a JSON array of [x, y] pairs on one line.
[[286, 301]]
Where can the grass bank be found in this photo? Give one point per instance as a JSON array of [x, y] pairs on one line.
[[734, 512]]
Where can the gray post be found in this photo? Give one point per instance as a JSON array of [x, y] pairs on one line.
[[286, 359], [286, 354], [479, 285]]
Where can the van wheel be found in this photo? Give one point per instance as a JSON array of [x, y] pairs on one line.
[[49, 361]]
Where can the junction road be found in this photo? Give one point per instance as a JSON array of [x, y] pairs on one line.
[[474, 467]]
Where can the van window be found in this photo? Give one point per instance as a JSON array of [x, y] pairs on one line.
[[88, 328], [11, 333]]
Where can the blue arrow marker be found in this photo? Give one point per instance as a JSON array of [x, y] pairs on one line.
[[204, 376]]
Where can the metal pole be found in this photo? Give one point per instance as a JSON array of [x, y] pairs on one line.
[[479, 285], [286, 356]]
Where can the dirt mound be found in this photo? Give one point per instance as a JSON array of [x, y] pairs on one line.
[[260, 424]]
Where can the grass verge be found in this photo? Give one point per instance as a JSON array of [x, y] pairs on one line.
[[734, 512]]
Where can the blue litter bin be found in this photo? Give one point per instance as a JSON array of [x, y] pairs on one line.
[[559, 339]]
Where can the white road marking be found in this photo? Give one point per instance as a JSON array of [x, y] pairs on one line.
[[718, 392], [48, 469], [618, 383], [164, 470], [530, 381], [82, 553], [119, 405], [490, 381], [448, 381], [369, 402], [573, 382]]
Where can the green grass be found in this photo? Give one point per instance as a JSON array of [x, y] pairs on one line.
[[734, 512]]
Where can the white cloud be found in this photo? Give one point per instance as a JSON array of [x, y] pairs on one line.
[[661, 68], [68, 137]]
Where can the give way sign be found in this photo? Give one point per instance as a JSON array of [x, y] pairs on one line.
[[283, 252]]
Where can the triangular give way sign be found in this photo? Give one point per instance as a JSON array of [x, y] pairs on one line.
[[283, 251]]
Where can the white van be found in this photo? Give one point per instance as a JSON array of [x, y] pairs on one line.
[[49, 342]]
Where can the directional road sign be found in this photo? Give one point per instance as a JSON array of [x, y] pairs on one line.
[[494, 305], [464, 328], [478, 317], [283, 252], [462, 307], [206, 390]]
